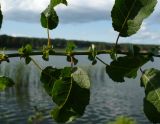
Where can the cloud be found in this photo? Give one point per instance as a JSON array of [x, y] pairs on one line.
[[76, 12]]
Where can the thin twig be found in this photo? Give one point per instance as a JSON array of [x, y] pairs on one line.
[[37, 65], [102, 61], [141, 70]]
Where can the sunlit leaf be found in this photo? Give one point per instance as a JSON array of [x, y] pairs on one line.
[[123, 120], [125, 67], [150, 80], [5, 82], [128, 15], [93, 53], [56, 2]]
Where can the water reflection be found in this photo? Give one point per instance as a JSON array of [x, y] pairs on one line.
[[108, 99]]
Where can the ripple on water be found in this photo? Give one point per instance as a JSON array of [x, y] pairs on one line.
[[108, 99]]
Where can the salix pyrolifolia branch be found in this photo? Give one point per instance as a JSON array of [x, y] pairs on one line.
[[69, 87]]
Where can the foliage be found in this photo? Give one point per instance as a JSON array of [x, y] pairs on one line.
[[69, 87], [37, 117], [150, 82], [92, 55], [5, 82], [126, 66], [123, 120], [128, 15], [25, 52]]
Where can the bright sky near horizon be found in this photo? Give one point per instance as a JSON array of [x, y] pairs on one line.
[[81, 20]]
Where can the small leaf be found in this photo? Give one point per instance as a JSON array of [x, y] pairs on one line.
[[113, 54], [46, 52], [125, 67], [128, 15], [5, 82], [150, 82], [123, 120], [3, 57], [92, 55], [70, 47], [49, 18], [28, 60], [25, 51], [1, 17], [56, 2]]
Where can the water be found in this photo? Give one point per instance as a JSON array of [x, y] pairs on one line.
[[108, 99]]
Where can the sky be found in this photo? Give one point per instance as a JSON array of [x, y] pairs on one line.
[[81, 20]]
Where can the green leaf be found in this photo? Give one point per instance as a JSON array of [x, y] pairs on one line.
[[69, 89], [128, 15], [70, 47], [126, 66], [92, 55], [69, 50], [46, 52], [48, 76], [49, 18], [25, 51], [123, 120], [56, 2], [28, 60], [113, 54], [1, 17], [5, 82], [150, 81], [3, 57]]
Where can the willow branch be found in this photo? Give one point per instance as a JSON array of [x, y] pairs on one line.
[[63, 53]]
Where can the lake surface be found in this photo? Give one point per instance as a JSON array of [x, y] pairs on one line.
[[108, 99]]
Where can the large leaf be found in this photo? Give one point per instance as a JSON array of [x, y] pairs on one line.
[[125, 67], [49, 18], [69, 89], [56, 2], [5, 82], [128, 15], [1, 17], [150, 80]]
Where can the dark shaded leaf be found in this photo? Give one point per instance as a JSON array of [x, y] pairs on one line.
[[125, 67], [49, 18], [128, 15], [48, 76], [150, 81], [5, 82], [69, 89], [28, 60]]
